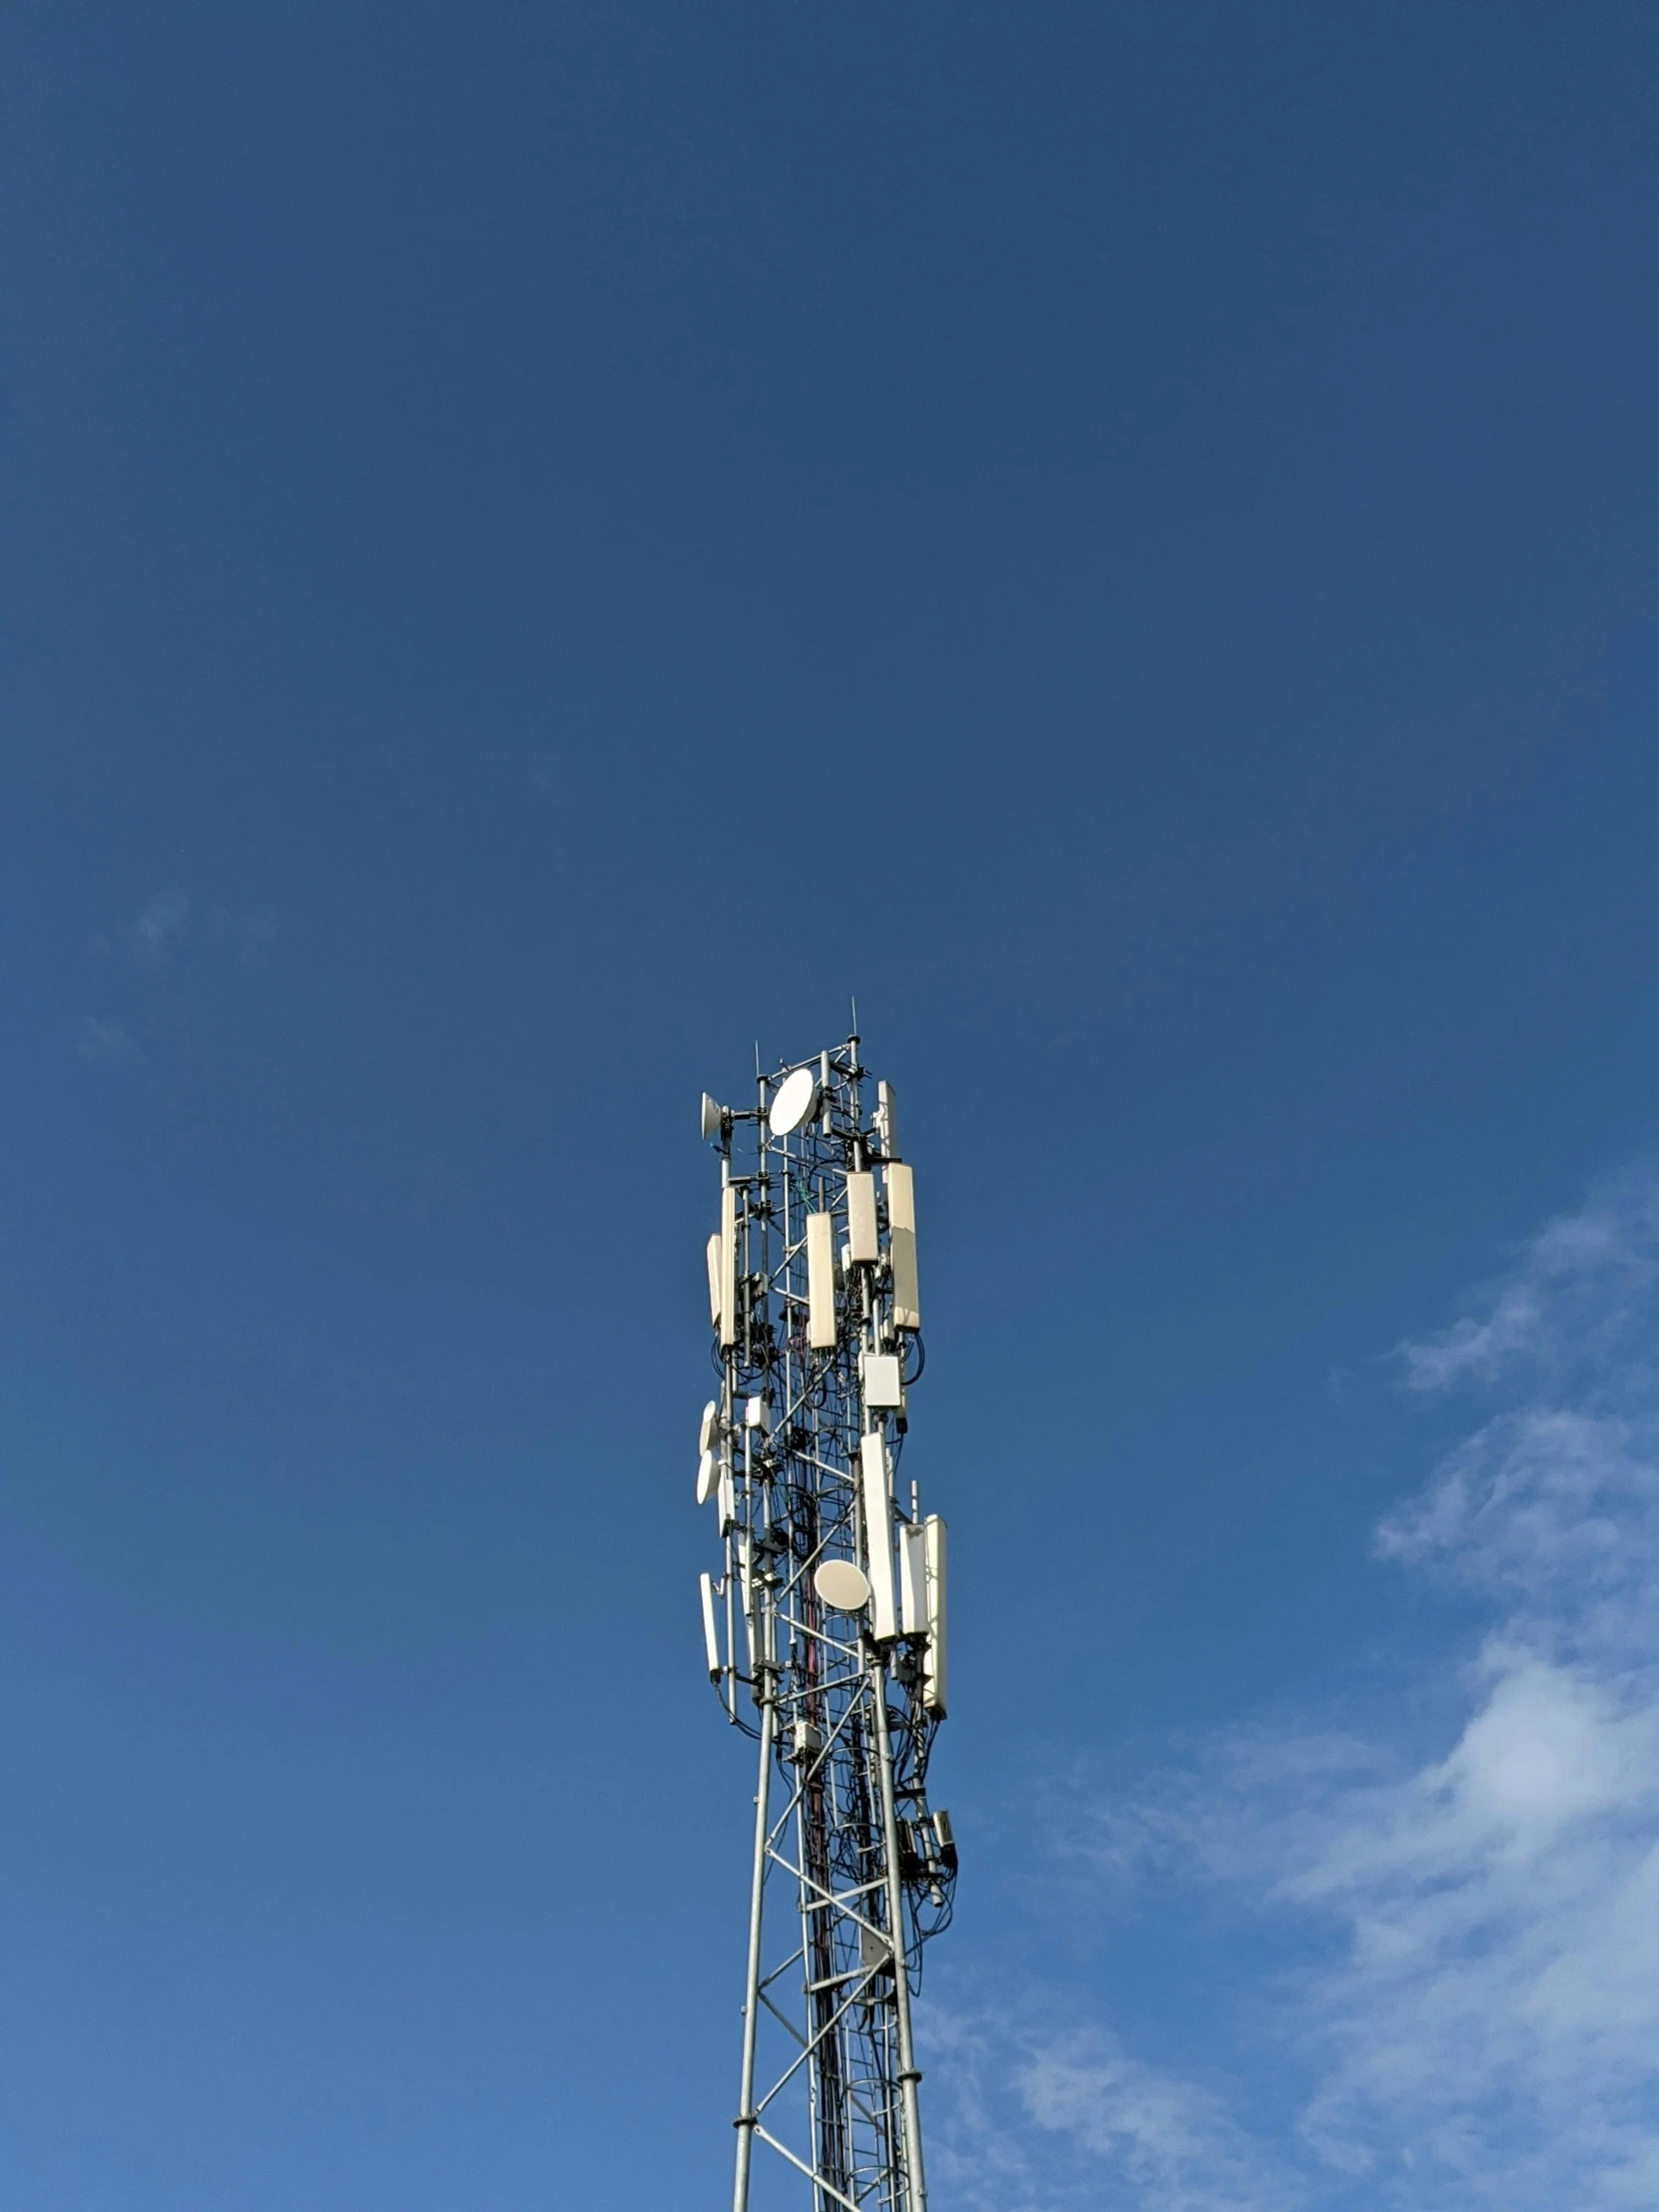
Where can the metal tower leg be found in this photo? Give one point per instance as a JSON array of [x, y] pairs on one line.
[[915, 2192], [745, 2119]]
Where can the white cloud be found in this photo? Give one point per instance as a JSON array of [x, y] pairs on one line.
[[1473, 2009]]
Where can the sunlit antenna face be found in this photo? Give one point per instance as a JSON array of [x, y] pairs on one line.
[[708, 1478], [844, 1587], [824, 1631], [793, 1102]]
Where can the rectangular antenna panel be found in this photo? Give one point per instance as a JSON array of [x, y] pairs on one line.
[[711, 1638], [877, 1504], [887, 1119], [714, 1279], [935, 1687], [913, 1579], [901, 1238], [727, 1266], [821, 1282], [883, 1385], [863, 1245], [746, 1590]]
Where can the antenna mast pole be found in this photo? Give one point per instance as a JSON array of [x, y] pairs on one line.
[[825, 1628]]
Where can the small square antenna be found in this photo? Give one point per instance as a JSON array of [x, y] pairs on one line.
[[883, 1385]]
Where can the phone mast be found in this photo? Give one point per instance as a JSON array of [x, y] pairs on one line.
[[824, 1629]]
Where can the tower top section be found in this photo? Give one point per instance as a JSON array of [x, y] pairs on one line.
[[825, 1628]]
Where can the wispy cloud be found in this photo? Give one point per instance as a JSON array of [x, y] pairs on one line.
[[176, 923], [160, 926], [1051, 2113], [1473, 2009], [1576, 1296], [164, 963], [106, 1044], [248, 931]]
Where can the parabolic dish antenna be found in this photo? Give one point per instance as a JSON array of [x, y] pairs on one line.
[[842, 1587], [708, 1478], [793, 1102], [708, 1429]]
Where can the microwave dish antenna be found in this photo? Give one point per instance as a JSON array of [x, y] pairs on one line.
[[793, 1102], [844, 1587]]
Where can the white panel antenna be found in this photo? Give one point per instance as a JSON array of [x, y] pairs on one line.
[[901, 1235], [886, 1121], [711, 1634], [935, 1681], [821, 1282], [862, 1238], [913, 1579], [728, 1267], [875, 1493]]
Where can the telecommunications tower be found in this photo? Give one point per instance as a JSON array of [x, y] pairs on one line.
[[825, 1630]]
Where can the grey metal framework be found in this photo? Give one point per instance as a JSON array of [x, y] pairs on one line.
[[825, 1630]]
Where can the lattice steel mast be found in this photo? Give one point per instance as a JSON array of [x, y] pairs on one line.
[[825, 1632]]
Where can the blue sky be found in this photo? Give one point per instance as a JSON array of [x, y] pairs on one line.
[[544, 545]]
